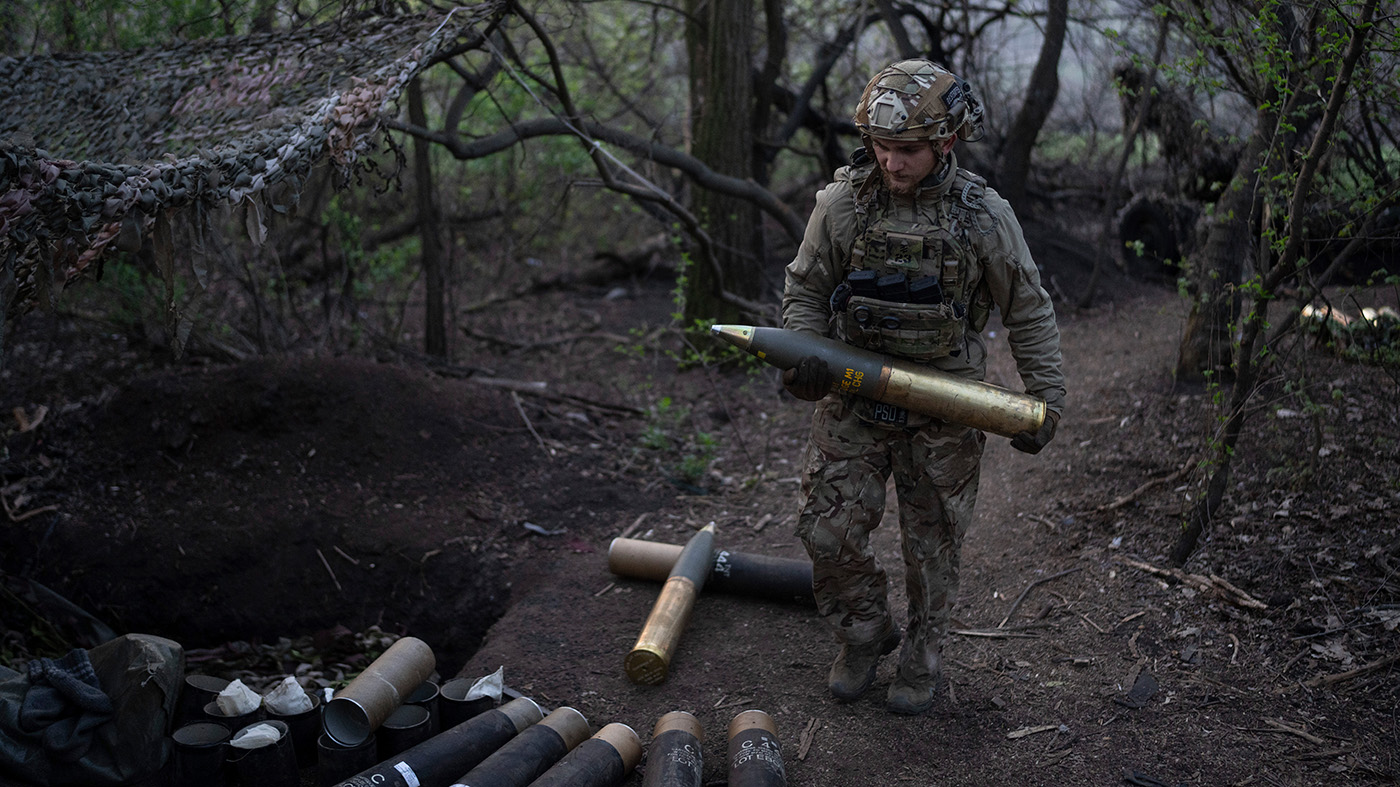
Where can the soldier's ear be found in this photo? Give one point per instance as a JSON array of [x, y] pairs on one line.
[[948, 144]]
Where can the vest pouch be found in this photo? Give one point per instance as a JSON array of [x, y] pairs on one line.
[[913, 331]]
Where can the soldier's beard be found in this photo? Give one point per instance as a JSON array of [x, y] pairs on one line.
[[907, 185]]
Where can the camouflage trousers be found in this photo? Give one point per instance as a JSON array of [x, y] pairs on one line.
[[847, 465]]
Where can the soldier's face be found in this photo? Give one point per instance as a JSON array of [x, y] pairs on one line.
[[905, 163]]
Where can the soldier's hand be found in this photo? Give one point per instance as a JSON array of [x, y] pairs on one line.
[[1032, 442], [809, 380]]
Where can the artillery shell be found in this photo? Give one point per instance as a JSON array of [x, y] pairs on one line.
[[650, 658], [921, 389]]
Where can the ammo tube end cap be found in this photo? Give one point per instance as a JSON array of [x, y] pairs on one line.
[[679, 720], [571, 725], [625, 741], [522, 712], [645, 666], [750, 720]]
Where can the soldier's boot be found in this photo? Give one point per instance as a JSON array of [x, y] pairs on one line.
[[911, 692], [854, 669]]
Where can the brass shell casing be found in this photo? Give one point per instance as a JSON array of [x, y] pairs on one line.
[[969, 402], [650, 659], [921, 389]]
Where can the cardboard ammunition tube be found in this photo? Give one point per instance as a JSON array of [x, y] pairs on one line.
[[604, 760], [675, 756], [740, 573], [755, 755], [405, 728], [441, 758], [528, 755], [357, 710], [650, 658]]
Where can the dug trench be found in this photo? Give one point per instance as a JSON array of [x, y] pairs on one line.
[[233, 505]]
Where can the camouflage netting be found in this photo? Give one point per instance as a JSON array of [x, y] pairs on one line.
[[98, 151]]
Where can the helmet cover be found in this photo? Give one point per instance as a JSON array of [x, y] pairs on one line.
[[919, 99]]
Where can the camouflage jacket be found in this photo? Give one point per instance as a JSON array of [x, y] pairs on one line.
[[1002, 275]]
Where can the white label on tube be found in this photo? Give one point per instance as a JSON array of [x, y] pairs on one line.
[[408, 775]]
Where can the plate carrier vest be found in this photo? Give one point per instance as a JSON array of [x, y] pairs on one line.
[[943, 250]]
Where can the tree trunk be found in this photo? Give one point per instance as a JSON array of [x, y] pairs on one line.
[[722, 128], [429, 230], [1041, 92], [1255, 358], [1216, 269]]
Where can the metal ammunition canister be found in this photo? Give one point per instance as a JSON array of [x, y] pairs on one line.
[[528, 755], [740, 573], [755, 755], [675, 757], [921, 389], [650, 658], [452, 752], [357, 710], [604, 760]]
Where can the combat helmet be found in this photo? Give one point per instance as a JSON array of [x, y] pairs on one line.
[[919, 99]]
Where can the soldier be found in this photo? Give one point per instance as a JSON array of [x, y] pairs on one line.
[[906, 254]]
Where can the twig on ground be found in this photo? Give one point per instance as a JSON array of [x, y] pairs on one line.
[[636, 523], [1323, 681], [1291, 730], [1136, 493], [1024, 731], [341, 552], [762, 523], [605, 589], [1131, 617], [27, 514], [519, 408], [992, 634], [329, 570], [1210, 584], [1291, 662], [1031, 587], [1092, 623], [807, 737]]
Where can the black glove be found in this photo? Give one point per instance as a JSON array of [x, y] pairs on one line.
[[810, 379], [1032, 442]]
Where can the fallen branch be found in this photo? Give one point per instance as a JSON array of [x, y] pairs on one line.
[[1031, 587], [541, 389], [27, 514], [549, 342], [327, 564], [1208, 584], [519, 408], [1141, 490], [1291, 730], [636, 523], [1024, 731], [808, 736], [992, 634], [1340, 677]]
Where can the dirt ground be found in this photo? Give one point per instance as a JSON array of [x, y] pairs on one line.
[[228, 506]]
